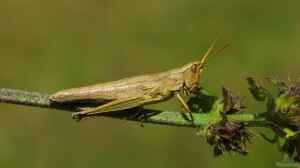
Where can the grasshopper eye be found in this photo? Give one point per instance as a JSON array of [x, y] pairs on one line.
[[194, 68]]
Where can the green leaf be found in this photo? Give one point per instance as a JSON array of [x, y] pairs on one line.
[[258, 92], [201, 102]]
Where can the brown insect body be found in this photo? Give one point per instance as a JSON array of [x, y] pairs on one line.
[[170, 81], [136, 91]]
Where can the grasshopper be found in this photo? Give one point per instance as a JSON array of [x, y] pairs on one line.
[[137, 91]]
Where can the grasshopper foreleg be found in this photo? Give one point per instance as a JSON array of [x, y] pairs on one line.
[[185, 106]]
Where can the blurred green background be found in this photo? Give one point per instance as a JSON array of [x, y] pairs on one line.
[[51, 45]]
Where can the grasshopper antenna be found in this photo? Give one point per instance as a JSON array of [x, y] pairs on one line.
[[204, 59], [208, 52], [221, 49]]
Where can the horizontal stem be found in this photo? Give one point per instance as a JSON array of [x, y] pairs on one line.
[[200, 119], [159, 117]]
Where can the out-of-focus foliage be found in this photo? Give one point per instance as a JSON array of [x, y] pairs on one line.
[[52, 45], [282, 113]]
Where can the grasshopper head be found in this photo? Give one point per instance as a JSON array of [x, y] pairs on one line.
[[192, 76], [193, 71]]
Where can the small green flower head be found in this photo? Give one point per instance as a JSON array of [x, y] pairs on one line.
[[284, 108], [288, 105], [283, 113], [286, 114]]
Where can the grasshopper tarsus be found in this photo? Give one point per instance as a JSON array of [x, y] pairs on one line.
[[192, 119], [77, 116], [143, 119]]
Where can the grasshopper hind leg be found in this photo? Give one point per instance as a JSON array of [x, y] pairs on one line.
[[116, 106], [78, 116], [137, 114]]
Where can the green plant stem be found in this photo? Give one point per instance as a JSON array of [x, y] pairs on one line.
[[36, 99], [176, 118]]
